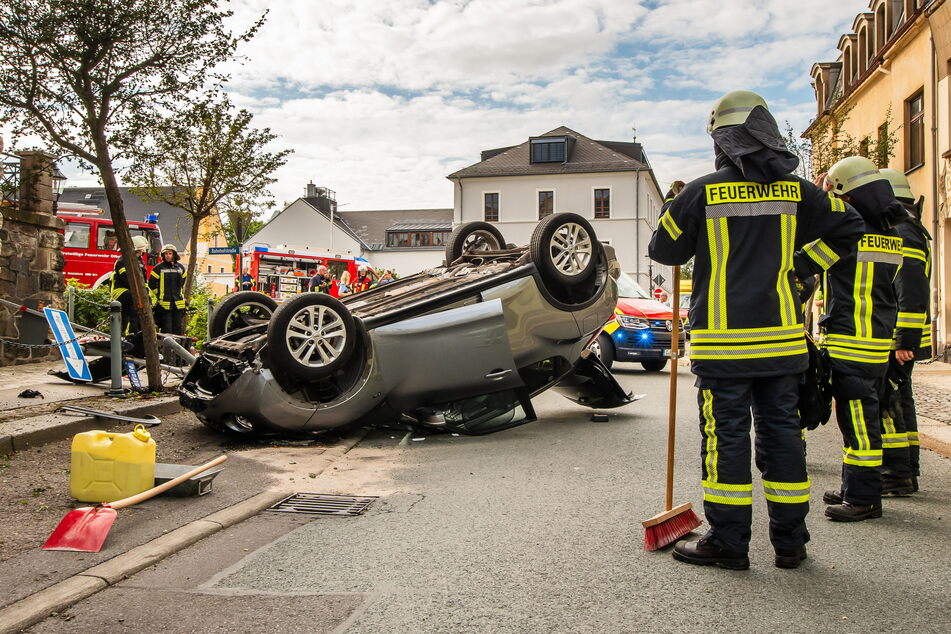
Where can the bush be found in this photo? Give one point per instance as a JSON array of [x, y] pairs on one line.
[[198, 313], [91, 306]]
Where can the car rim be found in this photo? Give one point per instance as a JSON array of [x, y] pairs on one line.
[[595, 349], [247, 315], [571, 249], [316, 336], [480, 241], [239, 424]]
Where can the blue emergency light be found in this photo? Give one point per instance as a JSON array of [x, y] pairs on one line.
[[153, 218]]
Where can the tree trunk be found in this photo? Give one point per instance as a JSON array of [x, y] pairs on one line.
[[192, 258], [140, 295]]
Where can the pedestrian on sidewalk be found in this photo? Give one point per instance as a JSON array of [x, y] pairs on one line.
[[167, 284], [901, 464], [752, 227], [861, 310]]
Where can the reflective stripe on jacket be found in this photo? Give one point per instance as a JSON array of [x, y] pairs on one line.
[[913, 327]]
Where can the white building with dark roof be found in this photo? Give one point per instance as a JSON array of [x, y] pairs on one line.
[[611, 183]]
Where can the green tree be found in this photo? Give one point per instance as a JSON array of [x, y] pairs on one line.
[[89, 78], [204, 157]]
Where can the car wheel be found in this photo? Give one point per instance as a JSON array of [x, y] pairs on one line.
[[240, 310], [564, 250], [603, 348], [654, 365], [471, 237], [311, 336]]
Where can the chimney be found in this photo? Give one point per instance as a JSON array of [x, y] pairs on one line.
[[311, 190]]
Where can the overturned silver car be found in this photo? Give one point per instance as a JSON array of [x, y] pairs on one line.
[[459, 348]]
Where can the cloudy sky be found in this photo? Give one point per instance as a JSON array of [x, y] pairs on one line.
[[381, 99]]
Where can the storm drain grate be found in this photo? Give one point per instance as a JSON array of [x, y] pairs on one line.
[[323, 504]]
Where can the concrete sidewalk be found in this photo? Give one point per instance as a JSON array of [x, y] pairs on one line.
[[28, 422], [932, 387]]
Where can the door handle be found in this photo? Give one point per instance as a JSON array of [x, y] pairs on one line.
[[495, 375]]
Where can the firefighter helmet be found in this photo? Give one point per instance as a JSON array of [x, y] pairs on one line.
[[733, 108], [140, 243], [170, 247], [900, 185], [852, 172]]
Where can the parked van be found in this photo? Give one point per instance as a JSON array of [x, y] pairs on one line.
[[640, 331]]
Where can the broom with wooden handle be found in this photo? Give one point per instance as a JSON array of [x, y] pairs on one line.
[[667, 527]]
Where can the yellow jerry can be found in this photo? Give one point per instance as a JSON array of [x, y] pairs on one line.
[[107, 467]]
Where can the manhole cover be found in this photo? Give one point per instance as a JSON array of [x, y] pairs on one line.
[[323, 504]]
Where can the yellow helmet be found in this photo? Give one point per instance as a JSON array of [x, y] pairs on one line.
[[170, 247], [852, 172], [900, 185], [733, 108]]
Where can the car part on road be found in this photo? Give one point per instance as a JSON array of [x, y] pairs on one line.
[[31, 394], [85, 529], [240, 310], [472, 237], [200, 484], [148, 421], [324, 504], [665, 528], [311, 336]]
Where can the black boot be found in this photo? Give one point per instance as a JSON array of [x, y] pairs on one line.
[[832, 497], [846, 512], [898, 486], [703, 553], [790, 558]]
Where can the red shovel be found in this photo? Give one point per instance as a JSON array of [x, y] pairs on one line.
[[85, 529]]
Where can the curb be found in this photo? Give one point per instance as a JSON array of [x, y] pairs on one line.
[[59, 596], [47, 428]]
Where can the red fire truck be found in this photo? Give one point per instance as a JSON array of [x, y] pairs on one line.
[[282, 272], [89, 243]]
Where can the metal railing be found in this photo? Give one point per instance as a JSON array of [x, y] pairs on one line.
[[9, 180]]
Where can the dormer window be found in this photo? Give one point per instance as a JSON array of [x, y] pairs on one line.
[[550, 149]]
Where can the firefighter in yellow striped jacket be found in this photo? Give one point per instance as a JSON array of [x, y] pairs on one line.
[[861, 312], [901, 466], [753, 227], [167, 284], [121, 286]]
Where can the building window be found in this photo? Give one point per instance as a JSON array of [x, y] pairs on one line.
[[602, 203], [915, 131], [549, 150], [404, 239], [864, 145], [490, 208], [546, 204]]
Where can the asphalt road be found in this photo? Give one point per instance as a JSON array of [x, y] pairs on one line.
[[538, 529]]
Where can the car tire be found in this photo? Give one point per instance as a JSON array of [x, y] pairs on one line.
[[654, 365], [238, 309], [311, 336], [603, 348], [564, 249], [473, 236]]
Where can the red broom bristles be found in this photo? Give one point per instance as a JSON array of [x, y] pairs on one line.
[[670, 530]]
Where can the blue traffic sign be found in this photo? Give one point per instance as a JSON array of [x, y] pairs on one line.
[[68, 346], [223, 251]]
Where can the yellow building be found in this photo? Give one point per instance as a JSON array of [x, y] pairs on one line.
[[886, 97]]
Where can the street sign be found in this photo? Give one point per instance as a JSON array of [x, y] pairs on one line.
[[133, 374], [72, 353], [659, 280], [223, 251], [658, 292]]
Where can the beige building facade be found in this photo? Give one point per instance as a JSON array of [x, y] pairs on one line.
[[887, 94]]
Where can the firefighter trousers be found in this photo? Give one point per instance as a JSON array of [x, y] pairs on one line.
[[169, 320], [900, 446], [727, 407], [857, 413]]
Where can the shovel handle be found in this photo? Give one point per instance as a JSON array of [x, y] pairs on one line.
[[162, 488], [672, 406]]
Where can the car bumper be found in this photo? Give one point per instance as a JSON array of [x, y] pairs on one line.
[[632, 344]]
